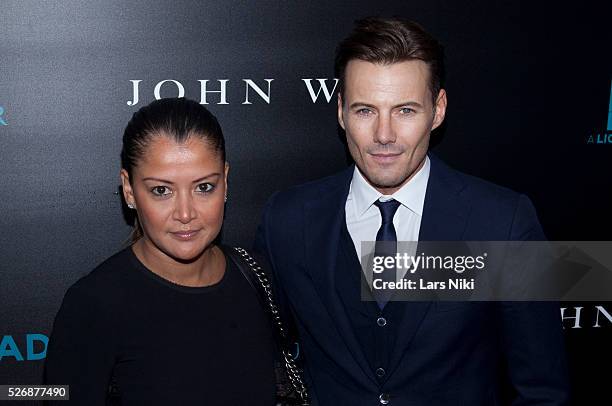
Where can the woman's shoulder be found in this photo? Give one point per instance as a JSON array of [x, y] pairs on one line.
[[107, 283]]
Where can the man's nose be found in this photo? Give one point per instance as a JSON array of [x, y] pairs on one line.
[[384, 130]]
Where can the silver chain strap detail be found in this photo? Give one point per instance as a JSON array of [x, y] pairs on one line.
[[293, 372]]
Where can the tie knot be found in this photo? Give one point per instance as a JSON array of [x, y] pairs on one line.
[[387, 209]]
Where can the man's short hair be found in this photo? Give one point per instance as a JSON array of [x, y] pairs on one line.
[[390, 40]]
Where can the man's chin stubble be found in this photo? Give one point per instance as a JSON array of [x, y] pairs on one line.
[[390, 184]]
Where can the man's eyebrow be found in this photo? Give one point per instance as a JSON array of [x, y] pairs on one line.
[[408, 103], [212, 175], [360, 104]]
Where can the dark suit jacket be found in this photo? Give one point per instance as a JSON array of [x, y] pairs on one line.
[[446, 353]]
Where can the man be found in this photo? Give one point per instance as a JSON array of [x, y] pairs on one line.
[[404, 353]]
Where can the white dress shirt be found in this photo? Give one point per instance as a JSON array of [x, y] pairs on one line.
[[363, 218]]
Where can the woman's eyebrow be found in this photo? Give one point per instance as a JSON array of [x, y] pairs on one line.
[[212, 175]]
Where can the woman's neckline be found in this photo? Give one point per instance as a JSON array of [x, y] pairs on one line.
[[182, 288]]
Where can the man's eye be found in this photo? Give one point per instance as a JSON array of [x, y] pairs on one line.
[[161, 191], [406, 110], [364, 112], [205, 187]]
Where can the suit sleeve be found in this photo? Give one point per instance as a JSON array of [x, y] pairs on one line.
[[263, 250], [531, 333], [261, 245], [80, 349]]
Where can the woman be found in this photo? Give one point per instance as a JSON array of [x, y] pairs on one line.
[[170, 320]]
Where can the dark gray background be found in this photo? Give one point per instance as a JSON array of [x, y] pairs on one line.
[[526, 84]]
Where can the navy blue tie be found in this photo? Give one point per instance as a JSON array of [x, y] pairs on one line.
[[386, 245]]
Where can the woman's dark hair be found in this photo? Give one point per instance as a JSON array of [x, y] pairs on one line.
[[176, 118], [390, 40]]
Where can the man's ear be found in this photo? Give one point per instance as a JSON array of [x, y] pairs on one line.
[[126, 187], [340, 112], [440, 109]]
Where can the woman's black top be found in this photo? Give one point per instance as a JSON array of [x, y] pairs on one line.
[[161, 343]]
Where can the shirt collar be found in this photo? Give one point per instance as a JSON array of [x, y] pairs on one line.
[[411, 195]]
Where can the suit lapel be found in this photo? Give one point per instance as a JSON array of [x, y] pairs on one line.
[[445, 215], [324, 216], [445, 212]]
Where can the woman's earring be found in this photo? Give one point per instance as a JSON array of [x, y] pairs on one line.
[[225, 199], [130, 205]]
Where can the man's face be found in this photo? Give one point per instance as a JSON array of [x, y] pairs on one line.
[[388, 114]]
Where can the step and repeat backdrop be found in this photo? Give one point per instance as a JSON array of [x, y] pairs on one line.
[[530, 108]]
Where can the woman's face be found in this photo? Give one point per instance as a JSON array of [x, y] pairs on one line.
[[178, 191]]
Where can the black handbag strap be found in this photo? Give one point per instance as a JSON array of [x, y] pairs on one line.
[[260, 282]]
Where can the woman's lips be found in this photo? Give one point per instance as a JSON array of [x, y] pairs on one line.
[[185, 235]]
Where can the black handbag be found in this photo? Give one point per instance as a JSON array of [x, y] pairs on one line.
[[290, 387]]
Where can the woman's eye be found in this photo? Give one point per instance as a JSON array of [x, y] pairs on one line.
[[161, 191], [205, 187]]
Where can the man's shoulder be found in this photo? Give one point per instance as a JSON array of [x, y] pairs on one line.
[[301, 194], [502, 212], [483, 190], [477, 190]]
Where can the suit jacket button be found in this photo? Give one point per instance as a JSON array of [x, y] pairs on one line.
[[380, 372], [384, 398], [381, 321]]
